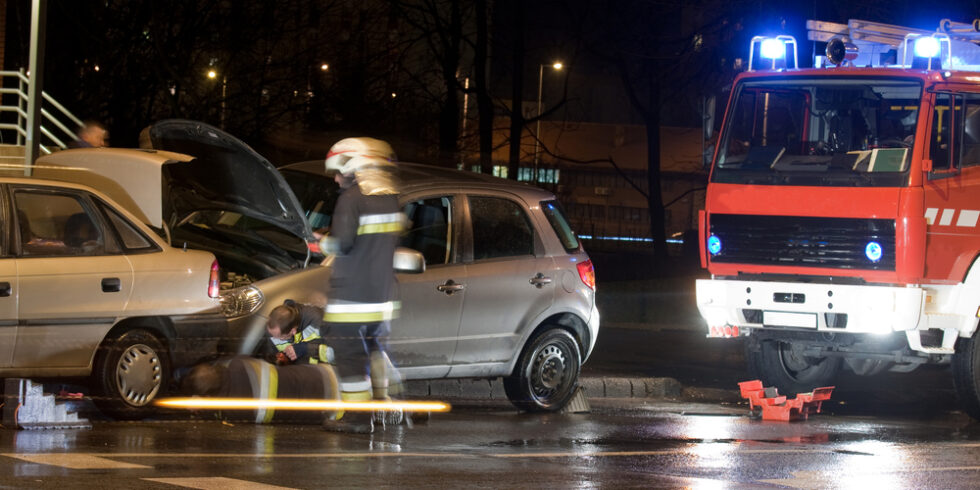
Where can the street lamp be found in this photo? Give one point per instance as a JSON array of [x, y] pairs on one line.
[[212, 74], [557, 66]]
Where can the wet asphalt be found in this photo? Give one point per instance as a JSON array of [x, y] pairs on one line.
[[620, 444], [887, 431]]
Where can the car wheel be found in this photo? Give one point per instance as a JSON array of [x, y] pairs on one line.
[[784, 366], [546, 373], [131, 371], [966, 374]]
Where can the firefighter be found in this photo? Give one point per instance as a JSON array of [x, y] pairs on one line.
[[295, 336], [251, 378], [364, 233]]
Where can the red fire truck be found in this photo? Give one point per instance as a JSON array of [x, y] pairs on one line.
[[842, 219]]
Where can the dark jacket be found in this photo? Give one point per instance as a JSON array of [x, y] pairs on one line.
[[366, 230]]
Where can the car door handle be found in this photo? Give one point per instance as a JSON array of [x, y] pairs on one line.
[[540, 280], [4, 289], [450, 287], [111, 285]]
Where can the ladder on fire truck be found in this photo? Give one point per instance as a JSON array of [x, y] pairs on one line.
[[879, 44]]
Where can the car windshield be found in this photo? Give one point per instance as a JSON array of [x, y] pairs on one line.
[[317, 196], [828, 131]]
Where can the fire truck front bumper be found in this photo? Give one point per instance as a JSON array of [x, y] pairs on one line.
[[730, 306]]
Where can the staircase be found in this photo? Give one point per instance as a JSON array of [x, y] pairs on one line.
[[58, 124]]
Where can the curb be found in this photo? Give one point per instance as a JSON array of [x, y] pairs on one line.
[[493, 389]]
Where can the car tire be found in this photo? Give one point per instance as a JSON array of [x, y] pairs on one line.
[[131, 371], [779, 364], [546, 374], [966, 374]]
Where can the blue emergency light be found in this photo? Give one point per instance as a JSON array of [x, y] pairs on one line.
[[714, 245], [926, 47], [772, 48], [873, 251]]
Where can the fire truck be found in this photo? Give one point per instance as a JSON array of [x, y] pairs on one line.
[[841, 226]]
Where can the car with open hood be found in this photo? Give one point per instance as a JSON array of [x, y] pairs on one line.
[[493, 282], [88, 290]]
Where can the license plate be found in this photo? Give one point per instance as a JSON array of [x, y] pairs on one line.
[[788, 319]]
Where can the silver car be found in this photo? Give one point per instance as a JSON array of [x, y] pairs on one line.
[[507, 289], [504, 290]]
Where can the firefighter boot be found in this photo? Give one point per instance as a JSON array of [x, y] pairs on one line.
[[351, 423]]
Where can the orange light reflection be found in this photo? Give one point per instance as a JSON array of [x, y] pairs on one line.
[[292, 404]]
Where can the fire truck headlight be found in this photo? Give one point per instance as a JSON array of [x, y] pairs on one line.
[[873, 251], [772, 48], [714, 245], [926, 47]]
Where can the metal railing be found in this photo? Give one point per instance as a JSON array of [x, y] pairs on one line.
[[55, 133]]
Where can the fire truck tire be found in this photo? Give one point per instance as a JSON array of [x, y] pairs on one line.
[[779, 364], [966, 374]]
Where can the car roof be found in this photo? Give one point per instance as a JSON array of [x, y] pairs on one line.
[[417, 176]]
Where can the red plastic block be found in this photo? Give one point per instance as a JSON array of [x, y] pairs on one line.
[[776, 407]]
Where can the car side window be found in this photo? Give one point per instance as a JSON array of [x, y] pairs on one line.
[[131, 237], [53, 224], [431, 229], [501, 228]]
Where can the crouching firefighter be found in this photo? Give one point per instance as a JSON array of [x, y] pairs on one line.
[[256, 379], [295, 335], [365, 230]]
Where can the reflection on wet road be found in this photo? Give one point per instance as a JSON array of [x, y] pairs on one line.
[[640, 445]]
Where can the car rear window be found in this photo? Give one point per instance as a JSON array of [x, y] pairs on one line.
[[552, 211]]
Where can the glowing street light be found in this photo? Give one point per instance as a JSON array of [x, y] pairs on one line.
[[557, 66], [324, 67], [212, 74]]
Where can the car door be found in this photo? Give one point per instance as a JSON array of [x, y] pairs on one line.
[[508, 283], [8, 291], [423, 338], [73, 280]]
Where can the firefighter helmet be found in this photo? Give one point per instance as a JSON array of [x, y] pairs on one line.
[[351, 155]]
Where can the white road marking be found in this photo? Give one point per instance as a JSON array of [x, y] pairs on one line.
[[74, 461], [216, 483]]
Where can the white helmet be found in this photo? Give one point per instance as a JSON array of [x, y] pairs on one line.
[[351, 155]]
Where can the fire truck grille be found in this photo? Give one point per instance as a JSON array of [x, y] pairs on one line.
[[843, 243]]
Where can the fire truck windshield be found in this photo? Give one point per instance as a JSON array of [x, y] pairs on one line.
[[820, 132]]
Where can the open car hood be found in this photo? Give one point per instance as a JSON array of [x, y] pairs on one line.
[[225, 174]]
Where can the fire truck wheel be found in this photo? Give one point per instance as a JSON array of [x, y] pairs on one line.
[[546, 374], [784, 366], [966, 374]]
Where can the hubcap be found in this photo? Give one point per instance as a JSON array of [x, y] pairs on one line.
[[548, 371], [139, 374]]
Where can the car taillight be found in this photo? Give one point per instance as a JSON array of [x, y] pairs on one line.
[[213, 283], [587, 273]]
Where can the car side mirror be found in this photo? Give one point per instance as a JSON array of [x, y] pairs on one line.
[[409, 261]]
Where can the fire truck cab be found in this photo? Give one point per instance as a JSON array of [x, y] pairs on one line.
[[842, 218]]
